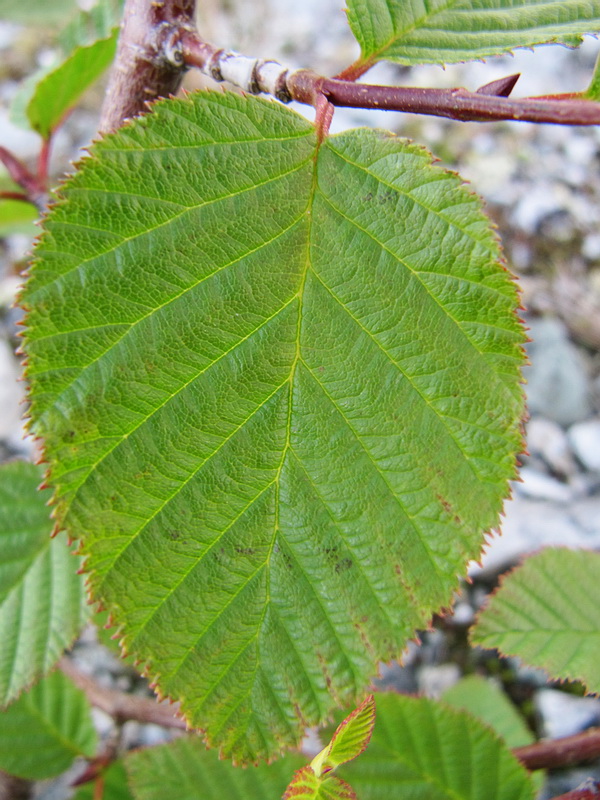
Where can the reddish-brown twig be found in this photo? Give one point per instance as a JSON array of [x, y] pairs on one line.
[[561, 752], [120, 706], [487, 104], [34, 190]]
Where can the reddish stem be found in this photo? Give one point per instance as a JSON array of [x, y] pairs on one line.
[[15, 196], [148, 64], [561, 752], [99, 788], [355, 71], [43, 163], [460, 104], [32, 188], [324, 115]]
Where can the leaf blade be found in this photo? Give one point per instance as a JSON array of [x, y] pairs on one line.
[[49, 94], [489, 703], [424, 749], [463, 30], [38, 581], [349, 740], [186, 770], [46, 729], [305, 785], [545, 613], [283, 425]]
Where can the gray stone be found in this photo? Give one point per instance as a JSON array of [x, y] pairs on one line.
[[11, 394], [557, 380], [462, 614], [585, 441], [23, 144], [528, 525], [591, 247], [539, 486], [396, 677], [586, 513], [434, 680], [546, 439], [564, 714]]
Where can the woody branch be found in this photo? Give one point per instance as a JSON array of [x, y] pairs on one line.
[[489, 103]]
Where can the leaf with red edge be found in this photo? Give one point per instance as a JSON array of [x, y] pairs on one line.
[[306, 785], [349, 740]]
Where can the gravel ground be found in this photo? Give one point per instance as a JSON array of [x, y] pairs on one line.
[[542, 188]]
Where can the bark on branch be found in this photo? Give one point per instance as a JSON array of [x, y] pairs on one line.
[[148, 63], [120, 706], [564, 752]]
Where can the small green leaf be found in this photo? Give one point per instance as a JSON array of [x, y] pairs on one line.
[[42, 600], [486, 701], [115, 785], [282, 404], [305, 785], [37, 12], [349, 740], [546, 613], [186, 770], [442, 32], [593, 90], [45, 729], [423, 750], [89, 26], [47, 95], [17, 216]]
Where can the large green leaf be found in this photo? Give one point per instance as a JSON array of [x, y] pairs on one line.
[[42, 599], [185, 770], [546, 612], [46, 729], [447, 31], [423, 750], [281, 402]]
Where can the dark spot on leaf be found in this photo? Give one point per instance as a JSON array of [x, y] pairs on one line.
[[245, 551], [445, 503], [343, 565]]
